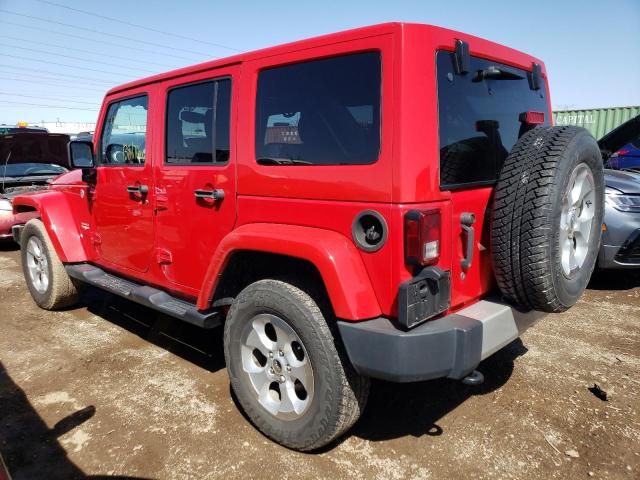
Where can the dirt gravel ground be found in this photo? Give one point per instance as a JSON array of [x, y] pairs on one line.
[[110, 389]]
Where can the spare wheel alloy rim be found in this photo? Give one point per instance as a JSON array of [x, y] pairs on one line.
[[576, 219], [277, 366], [37, 265]]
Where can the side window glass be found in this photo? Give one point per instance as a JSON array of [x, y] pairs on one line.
[[198, 123], [124, 133], [320, 112]]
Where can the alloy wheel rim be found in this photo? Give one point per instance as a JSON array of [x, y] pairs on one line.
[[576, 220], [277, 366], [37, 265]]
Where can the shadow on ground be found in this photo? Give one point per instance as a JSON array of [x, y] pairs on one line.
[[8, 246], [615, 279], [394, 410], [203, 348], [400, 409], [29, 447]]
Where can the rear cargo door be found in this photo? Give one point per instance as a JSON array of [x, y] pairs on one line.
[[479, 122]]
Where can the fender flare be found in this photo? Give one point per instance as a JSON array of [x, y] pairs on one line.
[[57, 216], [334, 255]]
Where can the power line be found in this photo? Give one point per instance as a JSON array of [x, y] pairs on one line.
[[38, 71], [71, 57], [33, 17], [53, 82], [80, 37], [119, 20], [90, 52], [47, 98], [56, 63], [23, 104]]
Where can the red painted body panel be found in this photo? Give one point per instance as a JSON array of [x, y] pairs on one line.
[[62, 218], [303, 211], [333, 254]]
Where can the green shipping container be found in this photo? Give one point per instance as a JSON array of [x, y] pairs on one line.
[[598, 120]]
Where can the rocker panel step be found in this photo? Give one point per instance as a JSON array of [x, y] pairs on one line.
[[144, 295]]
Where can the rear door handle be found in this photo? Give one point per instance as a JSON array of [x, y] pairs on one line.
[[138, 189], [466, 222], [216, 194]]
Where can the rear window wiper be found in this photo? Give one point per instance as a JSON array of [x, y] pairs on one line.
[[494, 73], [281, 161]]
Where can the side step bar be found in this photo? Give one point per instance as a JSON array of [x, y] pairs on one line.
[[144, 295]]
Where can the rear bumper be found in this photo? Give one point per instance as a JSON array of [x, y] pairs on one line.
[[451, 346]]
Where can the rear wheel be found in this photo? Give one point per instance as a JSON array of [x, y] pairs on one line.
[[47, 280], [287, 369], [547, 216]]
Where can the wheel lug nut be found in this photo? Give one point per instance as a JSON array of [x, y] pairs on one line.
[[282, 379], [270, 354], [288, 368], [281, 353], [271, 370]]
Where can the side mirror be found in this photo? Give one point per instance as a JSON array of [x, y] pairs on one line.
[[81, 154]]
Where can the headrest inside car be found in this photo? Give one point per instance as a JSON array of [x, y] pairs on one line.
[[192, 117]]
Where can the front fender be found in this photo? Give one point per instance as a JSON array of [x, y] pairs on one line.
[[336, 258], [56, 214]]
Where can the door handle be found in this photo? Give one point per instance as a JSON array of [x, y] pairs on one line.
[[466, 222], [138, 189], [216, 194]]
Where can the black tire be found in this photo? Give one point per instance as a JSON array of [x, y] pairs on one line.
[[527, 212], [60, 290], [339, 393]]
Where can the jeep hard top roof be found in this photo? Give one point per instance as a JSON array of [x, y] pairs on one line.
[[499, 52]]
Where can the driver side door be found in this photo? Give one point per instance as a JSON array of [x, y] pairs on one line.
[[123, 194]]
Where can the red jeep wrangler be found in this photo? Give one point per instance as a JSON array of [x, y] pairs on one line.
[[388, 202]]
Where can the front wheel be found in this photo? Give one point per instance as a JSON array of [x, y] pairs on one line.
[[286, 368], [47, 280]]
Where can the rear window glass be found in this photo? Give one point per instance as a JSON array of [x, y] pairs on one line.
[[479, 118], [321, 112]]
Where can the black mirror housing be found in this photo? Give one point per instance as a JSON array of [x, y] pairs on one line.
[[81, 154]]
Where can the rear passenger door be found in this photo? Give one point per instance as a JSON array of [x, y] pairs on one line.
[[195, 181]]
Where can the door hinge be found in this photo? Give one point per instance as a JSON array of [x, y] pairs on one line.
[[163, 256]]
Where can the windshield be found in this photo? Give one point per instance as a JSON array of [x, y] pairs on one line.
[[30, 169]]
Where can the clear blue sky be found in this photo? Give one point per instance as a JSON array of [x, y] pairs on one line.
[[591, 48]]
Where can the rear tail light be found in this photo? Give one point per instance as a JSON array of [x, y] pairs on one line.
[[532, 118], [422, 237], [620, 153]]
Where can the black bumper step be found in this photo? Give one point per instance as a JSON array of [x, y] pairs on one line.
[[144, 295]]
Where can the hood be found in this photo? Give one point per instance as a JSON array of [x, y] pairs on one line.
[[626, 182], [619, 137], [35, 147]]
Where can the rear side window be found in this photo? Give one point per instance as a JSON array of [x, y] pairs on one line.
[[198, 121], [479, 118], [124, 133], [321, 112]]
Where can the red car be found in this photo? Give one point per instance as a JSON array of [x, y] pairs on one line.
[[28, 161], [388, 202]]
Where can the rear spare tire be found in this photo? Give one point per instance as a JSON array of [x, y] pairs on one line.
[[546, 218]]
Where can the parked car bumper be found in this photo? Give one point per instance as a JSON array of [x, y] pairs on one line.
[[451, 346], [9, 219], [620, 241]]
